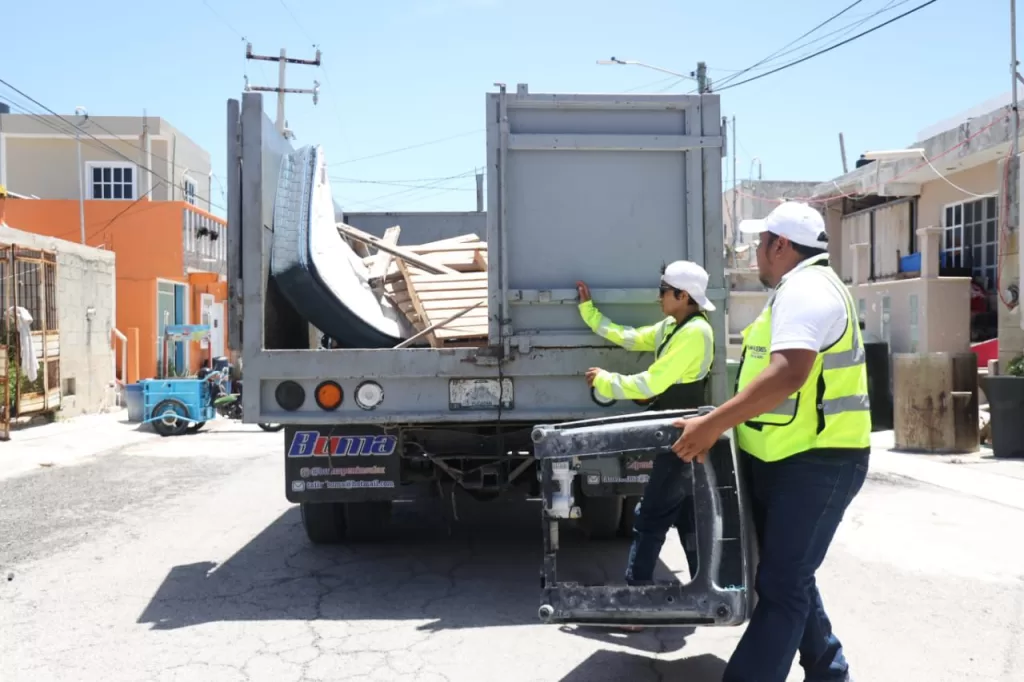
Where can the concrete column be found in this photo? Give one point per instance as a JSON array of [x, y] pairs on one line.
[[929, 244], [861, 263]]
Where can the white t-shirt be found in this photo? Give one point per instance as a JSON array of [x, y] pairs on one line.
[[808, 313]]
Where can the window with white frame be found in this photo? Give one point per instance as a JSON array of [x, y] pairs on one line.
[[188, 190], [112, 180], [971, 237]]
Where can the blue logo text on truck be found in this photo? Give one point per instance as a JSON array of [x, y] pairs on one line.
[[312, 444]]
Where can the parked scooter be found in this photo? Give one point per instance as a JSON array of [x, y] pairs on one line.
[[228, 403]]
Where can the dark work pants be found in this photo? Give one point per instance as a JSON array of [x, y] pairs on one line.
[[798, 504], [663, 505]]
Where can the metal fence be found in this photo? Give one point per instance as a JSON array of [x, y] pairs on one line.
[[28, 282]]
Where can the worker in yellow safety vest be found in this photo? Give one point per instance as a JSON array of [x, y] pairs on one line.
[[803, 430], [683, 346]]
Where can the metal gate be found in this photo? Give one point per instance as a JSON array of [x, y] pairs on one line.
[[28, 281]]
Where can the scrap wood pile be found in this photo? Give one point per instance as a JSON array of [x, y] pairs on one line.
[[440, 286]]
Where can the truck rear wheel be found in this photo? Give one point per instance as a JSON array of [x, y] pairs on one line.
[[601, 516], [324, 522], [367, 520], [629, 506], [332, 523]]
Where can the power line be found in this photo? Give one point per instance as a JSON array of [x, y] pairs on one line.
[[412, 146], [756, 64], [830, 48], [840, 33]]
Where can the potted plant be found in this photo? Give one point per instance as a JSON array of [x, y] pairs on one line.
[[1005, 393]]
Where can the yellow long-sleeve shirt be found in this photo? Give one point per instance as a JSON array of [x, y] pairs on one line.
[[685, 359]]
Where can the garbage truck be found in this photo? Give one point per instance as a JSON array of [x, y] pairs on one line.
[[379, 408]]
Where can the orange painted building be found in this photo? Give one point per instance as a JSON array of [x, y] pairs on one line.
[[170, 260]]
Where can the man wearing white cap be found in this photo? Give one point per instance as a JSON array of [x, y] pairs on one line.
[[683, 347], [803, 429]]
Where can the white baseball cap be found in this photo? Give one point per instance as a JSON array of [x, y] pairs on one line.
[[794, 220], [691, 278]]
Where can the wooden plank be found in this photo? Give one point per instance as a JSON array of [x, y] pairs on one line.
[[424, 318], [461, 239], [453, 277], [448, 248], [397, 251], [438, 325], [382, 259]]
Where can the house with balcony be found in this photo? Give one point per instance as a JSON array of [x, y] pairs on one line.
[[923, 237], [141, 190]]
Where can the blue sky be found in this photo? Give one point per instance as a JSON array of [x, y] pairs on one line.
[[398, 73]]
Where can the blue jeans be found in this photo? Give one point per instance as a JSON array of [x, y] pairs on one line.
[[663, 505], [798, 504]]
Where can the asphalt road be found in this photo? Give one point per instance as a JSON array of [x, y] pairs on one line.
[[180, 559]]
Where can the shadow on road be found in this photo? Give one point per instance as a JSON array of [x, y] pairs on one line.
[[479, 569], [613, 666]]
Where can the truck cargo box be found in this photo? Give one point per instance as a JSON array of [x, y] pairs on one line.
[[593, 187]]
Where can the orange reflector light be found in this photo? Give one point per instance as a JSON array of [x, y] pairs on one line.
[[329, 395]]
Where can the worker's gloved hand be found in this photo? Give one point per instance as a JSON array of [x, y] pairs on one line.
[[584, 291]]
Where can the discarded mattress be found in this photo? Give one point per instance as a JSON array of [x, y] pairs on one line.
[[316, 270]]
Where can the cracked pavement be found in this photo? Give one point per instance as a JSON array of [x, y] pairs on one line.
[[179, 559]]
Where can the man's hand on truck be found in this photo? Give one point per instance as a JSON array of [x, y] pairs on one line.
[[584, 291]]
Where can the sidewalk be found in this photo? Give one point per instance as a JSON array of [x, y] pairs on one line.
[[979, 475], [69, 442]]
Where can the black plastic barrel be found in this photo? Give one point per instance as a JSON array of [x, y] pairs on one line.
[[1006, 404], [877, 360]]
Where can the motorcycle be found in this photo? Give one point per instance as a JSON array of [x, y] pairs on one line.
[[226, 402]]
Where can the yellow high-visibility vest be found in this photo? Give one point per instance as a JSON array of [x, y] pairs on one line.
[[831, 409]]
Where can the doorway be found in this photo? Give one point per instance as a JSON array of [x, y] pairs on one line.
[[171, 308]]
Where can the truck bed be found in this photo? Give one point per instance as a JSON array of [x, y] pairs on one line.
[[600, 188]]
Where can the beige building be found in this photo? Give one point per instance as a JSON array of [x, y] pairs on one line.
[[123, 157], [749, 200], [911, 228]]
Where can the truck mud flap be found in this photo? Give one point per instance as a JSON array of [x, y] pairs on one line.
[[341, 463], [721, 592]]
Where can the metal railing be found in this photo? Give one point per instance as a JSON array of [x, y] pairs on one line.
[[204, 241]]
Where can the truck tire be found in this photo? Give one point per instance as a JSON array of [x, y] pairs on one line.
[[324, 522], [367, 520], [601, 516]]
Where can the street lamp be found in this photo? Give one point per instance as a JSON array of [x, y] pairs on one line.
[[633, 62]]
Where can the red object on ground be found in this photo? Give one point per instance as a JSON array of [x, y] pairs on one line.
[[986, 350]]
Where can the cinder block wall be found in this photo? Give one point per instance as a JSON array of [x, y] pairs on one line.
[[86, 314]]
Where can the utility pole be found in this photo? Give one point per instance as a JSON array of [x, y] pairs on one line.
[[80, 111], [703, 84], [735, 190], [283, 60]]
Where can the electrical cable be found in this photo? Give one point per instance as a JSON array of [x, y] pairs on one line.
[[818, 53], [412, 146], [101, 142], [757, 64]]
